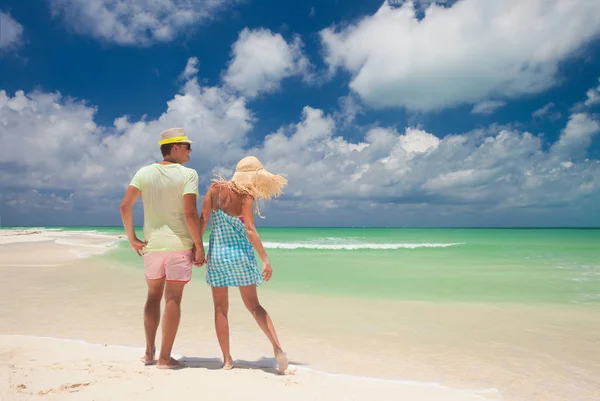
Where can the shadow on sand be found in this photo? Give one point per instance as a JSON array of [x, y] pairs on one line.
[[268, 365]]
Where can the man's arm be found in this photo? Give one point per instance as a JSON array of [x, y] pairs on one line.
[[131, 196], [194, 226], [192, 219]]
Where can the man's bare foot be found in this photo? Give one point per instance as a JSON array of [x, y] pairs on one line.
[[228, 365], [148, 358], [172, 364], [282, 361]]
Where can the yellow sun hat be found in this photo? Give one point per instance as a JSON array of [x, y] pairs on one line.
[[173, 135]]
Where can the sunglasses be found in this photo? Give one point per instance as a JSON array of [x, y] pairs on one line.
[[187, 145]]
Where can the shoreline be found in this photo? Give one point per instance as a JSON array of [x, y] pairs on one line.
[[358, 227]]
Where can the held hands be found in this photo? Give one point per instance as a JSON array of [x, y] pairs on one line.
[[199, 257], [267, 271], [138, 246]]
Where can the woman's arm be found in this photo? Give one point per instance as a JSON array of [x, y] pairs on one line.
[[248, 215], [206, 209]]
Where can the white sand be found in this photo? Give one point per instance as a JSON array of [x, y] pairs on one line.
[[49, 369]]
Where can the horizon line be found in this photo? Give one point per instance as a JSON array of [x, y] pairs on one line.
[[322, 227]]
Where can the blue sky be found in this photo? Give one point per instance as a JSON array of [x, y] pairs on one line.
[[466, 113]]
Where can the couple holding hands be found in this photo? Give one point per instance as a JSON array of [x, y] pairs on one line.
[[173, 231]]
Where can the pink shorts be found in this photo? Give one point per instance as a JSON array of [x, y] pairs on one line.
[[175, 265]]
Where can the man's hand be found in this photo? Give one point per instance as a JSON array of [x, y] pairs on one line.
[[138, 246], [199, 256]]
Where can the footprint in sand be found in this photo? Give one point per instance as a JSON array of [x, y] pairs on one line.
[[71, 388]]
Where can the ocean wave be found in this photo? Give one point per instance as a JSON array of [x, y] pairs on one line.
[[354, 246]]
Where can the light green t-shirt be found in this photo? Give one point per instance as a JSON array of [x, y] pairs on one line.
[[163, 187]]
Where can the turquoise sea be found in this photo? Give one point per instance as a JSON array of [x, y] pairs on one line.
[[446, 265]]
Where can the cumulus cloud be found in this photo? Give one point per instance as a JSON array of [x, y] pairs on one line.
[[487, 106], [55, 156], [349, 108], [547, 112], [592, 99], [593, 96], [463, 54], [135, 22], [577, 136], [191, 69], [420, 4], [11, 32], [261, 59], [67, 151], [505, 168]]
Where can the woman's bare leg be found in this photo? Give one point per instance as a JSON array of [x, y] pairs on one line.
[[250, 298], [221, 302]]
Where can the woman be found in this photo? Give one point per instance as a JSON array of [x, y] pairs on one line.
[[230, 260]]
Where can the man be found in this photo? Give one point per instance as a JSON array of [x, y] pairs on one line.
[[172, 233]]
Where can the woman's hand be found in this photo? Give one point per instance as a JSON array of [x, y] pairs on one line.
[[267, 270]]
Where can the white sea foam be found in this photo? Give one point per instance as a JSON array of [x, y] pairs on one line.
[[354, 246], [108, 244], [93, 242]]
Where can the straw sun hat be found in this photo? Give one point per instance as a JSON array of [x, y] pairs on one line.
[[174, 135], [251, 177]]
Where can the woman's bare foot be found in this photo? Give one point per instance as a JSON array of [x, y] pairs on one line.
[[172, 364], [282, 361], [228, 365], [148, 358]]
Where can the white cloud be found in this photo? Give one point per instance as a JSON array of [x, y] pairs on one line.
[[135, 22], [67, 151], [419, 4], [349, 108], [261, 59], [593, 96], [487, 106], [577, 136], [547, 112], [191, 69], [495, 168], [11, 32], [73, 164], [472, 51]]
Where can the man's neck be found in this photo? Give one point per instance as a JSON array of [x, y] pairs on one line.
[[168, 160]]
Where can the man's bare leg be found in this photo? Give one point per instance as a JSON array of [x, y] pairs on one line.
[[170, 323], [221, 302], [152, 317]]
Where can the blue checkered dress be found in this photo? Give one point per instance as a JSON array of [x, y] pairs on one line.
[[231, 260]]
